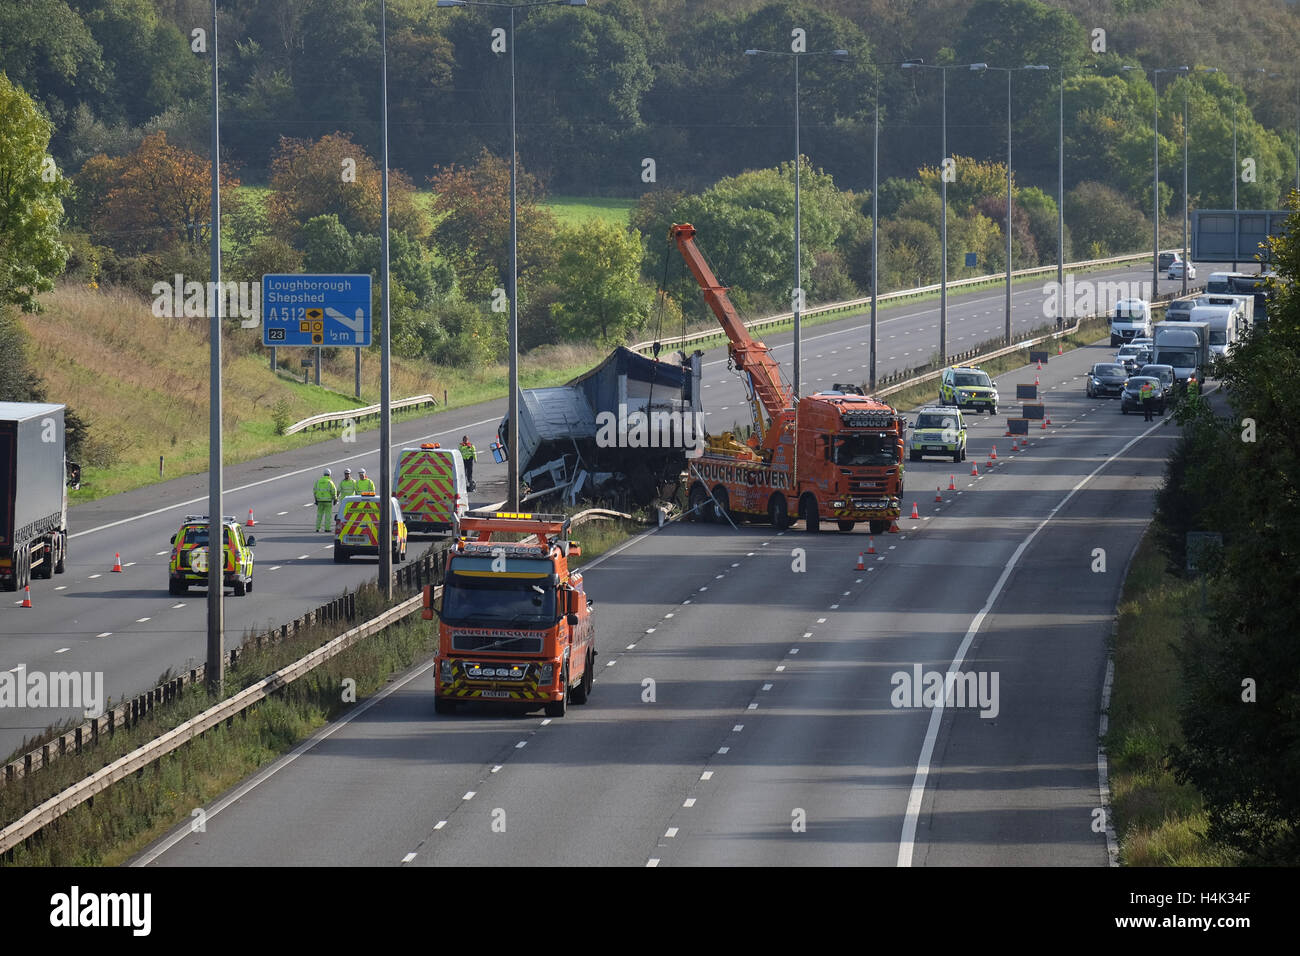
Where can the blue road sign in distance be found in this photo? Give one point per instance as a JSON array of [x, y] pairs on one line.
[[328, 310]]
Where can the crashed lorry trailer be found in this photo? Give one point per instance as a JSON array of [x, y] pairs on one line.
[[621, 432]]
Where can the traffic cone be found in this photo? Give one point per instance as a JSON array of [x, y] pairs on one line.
[[1014, 445], [1044, 424], [861, 566], [1049, 419], [893, 527], [1060, 349], [938, 494], [952, 482], [27, 596], [974, 470], [117, 562], [871, 546], [250, 522], [993, 455], [915, 514], [1040, 365], [1035, 379]]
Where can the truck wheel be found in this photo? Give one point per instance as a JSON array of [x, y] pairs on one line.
[[46, 570], [250, 584], [240, 588], [846, 525], [721, 505], [558, 708], [582, 692], [778, 513], [444, 705], [699, 503], [879, 527], [808, 512], [63, 553]]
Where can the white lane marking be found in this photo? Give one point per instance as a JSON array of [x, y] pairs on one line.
[[93, 576], [159, 554], [752, 707], [723, 750], [303, 557], [440, 824], [610, 663], [794, 650], [495, 769], [545, 722], [281, 514], [654, 861], [821, 620], [668, 615], [707, 775], [141, 620], [105, 634], [738, 728], [63, 650], [289, 474], [521, 745], [911, 817], [175, 606], [630, 647], [129, 564], [670, 832], [649, 630], [767, 687], [408, 858], [274, 567], [688, 802], [61, 587], [469, 795], [780, 668]]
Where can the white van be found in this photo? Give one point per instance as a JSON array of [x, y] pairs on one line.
[[1223, 321], [1130, 320], [431, 487]]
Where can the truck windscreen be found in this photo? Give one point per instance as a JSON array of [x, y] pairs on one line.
[[1176, 357], [872, 448], [491, 600]]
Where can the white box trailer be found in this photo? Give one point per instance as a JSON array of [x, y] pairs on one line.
[[33, 493]]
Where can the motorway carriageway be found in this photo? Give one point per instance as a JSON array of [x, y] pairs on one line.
[[127, 626], [772, 738]]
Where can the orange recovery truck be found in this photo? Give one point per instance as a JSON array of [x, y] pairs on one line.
[[514, 623], [835, 455]]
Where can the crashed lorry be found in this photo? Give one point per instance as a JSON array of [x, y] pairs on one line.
[[621, 432]]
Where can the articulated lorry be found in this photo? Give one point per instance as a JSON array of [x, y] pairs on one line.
[[33, 493], [514, 622], [834, 455], [1185, 346]]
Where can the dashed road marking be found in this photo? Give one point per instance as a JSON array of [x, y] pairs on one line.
[[408, 858], [688, 802]]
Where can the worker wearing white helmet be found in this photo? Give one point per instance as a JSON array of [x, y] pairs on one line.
[[364, 484], [326, 494]]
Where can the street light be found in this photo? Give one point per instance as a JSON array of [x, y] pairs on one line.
[[216, 653], [1060, 192], [1155, 175], [920, 64], [797, 297], [512, 336]]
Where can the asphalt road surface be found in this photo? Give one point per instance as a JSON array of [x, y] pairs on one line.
[[749, 705]]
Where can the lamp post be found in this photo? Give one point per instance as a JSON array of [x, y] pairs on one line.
[[1155, 174], [875, 234], [943, 215], [216, 654], [512, 336], [797, 296], [1060, 191]]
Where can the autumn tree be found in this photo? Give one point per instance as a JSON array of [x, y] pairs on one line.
[[471, 205], [601, 297], [155, 196], [333, 175]]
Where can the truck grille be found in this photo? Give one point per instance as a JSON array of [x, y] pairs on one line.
[[516, 643]]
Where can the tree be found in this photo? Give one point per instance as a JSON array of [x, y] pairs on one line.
[[157, 195], [1240, 702], [472, 207], [601, 296], [335, 176], [974, 180], [1104, 222], [30, 208]]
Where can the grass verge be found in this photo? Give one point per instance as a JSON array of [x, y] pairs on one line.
[[1158, 821], [126, 817]]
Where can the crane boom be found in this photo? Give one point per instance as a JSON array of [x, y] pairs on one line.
[[749, 355]]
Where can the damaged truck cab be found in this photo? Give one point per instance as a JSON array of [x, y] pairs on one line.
[[514, 623]]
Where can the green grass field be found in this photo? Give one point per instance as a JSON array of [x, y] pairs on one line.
[[571, 210]]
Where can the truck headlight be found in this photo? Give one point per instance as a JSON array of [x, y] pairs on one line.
[[838, 503], [444, 670], [548, 673]]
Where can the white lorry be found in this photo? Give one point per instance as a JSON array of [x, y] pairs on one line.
[[1223, 322]]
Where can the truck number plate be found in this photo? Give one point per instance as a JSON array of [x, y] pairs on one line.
[[494, 693], [356, 539]]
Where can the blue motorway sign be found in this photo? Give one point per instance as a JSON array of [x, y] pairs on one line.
[[328, 310]]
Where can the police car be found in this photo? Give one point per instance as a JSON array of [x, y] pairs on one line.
[[357, 528], [191, 553], [939, 430], [968, 386]]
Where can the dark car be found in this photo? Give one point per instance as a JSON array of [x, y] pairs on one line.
[[1164, 374], [1131, 399], [1106, 378]]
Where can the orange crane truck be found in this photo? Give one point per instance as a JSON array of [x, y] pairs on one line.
[[514, 623], [834, 455]]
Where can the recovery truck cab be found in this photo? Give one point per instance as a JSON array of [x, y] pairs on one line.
[[431, 487], [514, 623]]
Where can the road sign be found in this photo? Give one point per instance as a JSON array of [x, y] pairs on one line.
[[1226, 235], [324, 310]]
